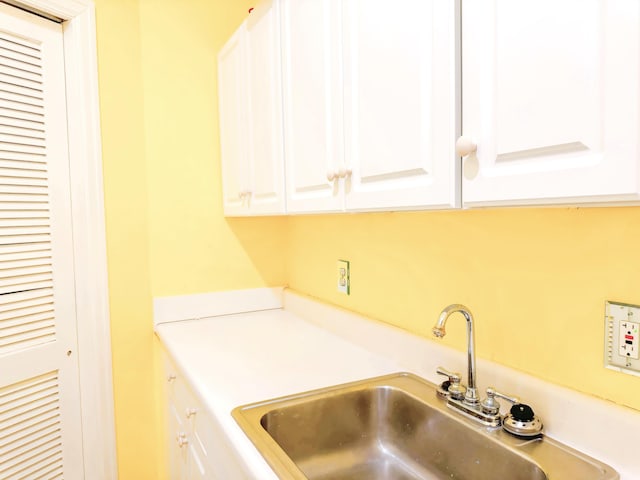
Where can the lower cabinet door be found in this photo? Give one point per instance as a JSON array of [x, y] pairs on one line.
[[177, 442], [195, 467], [197, 447]]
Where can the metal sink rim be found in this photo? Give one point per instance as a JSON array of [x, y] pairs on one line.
[[249, 418]]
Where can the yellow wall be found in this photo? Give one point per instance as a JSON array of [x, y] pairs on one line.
[[192, 247], [535, 279], [123, 151], [166, 234]]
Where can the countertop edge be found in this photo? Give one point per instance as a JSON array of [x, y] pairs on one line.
[[562, 409]]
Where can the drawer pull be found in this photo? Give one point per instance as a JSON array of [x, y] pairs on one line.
[[190, 412], [182, 439]]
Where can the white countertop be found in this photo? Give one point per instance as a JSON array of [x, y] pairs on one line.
[[232, 360], [238, 359]]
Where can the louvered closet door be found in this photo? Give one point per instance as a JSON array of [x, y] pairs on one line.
[[39, 397]]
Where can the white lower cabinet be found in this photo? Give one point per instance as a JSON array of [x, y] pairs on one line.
[[196, 448]]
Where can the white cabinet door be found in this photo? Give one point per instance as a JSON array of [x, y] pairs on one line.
[[176, 431], [232, 88], [40, 421], [177, 450], [401, 104], [551, 99], [264, 94], [312, 91], [195, 466]]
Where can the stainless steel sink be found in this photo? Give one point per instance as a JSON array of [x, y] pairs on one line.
[[395, 427]]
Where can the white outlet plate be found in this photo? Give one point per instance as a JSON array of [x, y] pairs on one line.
[[344, 277], [622, 337]]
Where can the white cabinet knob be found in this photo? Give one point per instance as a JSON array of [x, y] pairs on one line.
[[464, 146], [331, 175], [190, 412], [245, 195], [171, 377], [181, 439], [344, 172]]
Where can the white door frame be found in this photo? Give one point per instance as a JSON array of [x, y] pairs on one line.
[[87, 199]]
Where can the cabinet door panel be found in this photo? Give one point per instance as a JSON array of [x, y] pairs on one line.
[[196, 469], [550, 92], [312, 89], [233, 136], [265, 110], [176, 455], [400, 104]]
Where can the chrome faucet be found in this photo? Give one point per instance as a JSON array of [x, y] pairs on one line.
[[471, 395], [521, 421]]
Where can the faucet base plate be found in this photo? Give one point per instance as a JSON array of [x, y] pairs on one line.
[[474, 412]]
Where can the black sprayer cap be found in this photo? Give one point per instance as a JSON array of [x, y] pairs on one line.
[[522, 413]]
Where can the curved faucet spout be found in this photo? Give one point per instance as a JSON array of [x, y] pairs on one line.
[[439, 331]]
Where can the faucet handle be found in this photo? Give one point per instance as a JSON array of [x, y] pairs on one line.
[[504, 396], [454, 388], [454, 377], [491, 406]]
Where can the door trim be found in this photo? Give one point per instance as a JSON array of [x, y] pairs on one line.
[[87, 199]]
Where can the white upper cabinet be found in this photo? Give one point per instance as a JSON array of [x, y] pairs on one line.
[[250, 91], [551, 100], [233, 133], [264, 90], [400, 104], [312, 94], [364, 101]]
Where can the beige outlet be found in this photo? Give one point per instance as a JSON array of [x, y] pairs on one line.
[[344, 280]]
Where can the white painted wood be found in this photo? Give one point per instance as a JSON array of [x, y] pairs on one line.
[[194, 449], [313, 109], [232, 91], [551, 98], [178, 436], [38, 339], [264, 115], [401, 104], [250, 93], [62, 9], [204, 305], [92, 295], [92, 298], [196, 469]]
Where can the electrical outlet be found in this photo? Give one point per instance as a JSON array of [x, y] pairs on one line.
[[628, 342], [344, 280], [622, 337]]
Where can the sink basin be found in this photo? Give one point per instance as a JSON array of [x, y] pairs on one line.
[[395, 427]]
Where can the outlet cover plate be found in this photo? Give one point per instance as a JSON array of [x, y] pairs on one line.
[[344, 277], [621, 337]]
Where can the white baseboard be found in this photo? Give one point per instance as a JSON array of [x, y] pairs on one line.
[[214, 304]]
